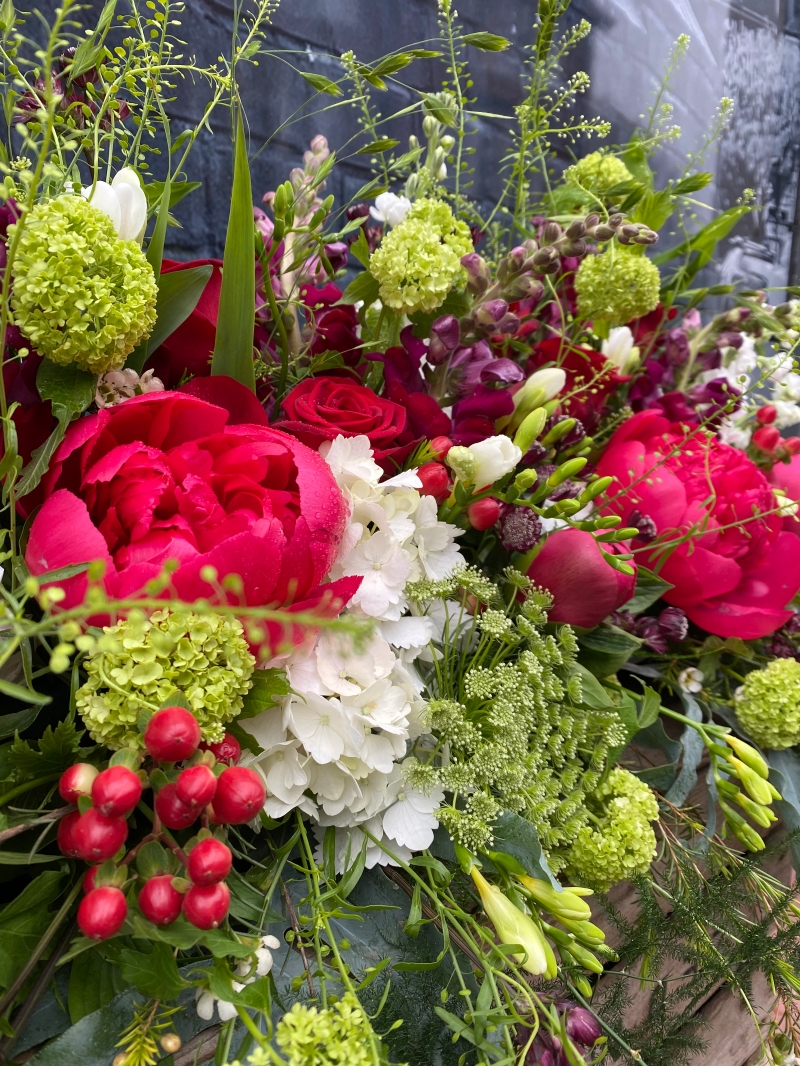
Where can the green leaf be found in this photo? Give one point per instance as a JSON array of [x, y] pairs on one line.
[[56, 748], [93, 982], [24, 858], [269, 686], [363, 287], [68, 386], [635, 159], [154, 972], [360, 248], [39, 463], [321, 83], [653, 209], [178, 294], [19, 722], [382, 145], [23, 921], [487, 42], [785, 776], [693, 748], [7, 17], [649, 588], [593, 695], [155, 247], [391, 64], [606, 649], [24, 695], [89, 51], [650, 707], [694, 183], [233, 350], [434, 106], [177, 189], [517, 837]]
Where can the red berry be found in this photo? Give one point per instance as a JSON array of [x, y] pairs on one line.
[[88, 881], [435, 480], [767, 438], [77, 781], [792, 445], [99, 838], [240, 796], [116, 791], [65, 835], [172, 734], [440, 446], [159, 902], [483, 513], [205, 906], [196, 786], [228, 750], [173, 813], [102, 912], [209, 862], [767, 414]]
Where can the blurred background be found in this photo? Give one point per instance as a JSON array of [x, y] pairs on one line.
[[748, 50]]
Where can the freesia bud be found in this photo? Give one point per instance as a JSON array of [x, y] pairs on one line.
[[748, 755], [532, 425], [513, 927], [562, 904]]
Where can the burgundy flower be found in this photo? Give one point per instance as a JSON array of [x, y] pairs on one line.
[[474, 417]]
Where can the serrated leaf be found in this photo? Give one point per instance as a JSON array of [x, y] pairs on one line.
[[364, 287], [360, 249], [268, 687], [487, 42], [321, 83], [382, 145], [154, 973]]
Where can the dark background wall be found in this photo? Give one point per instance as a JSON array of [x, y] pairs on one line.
[[746, 49]]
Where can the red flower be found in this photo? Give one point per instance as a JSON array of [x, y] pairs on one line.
[[187, 352], [591, 379], [320, 409], [736, 570], [335, 328], [167, 476], [585, 588]]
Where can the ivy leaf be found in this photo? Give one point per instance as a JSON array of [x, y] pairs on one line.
[[321, 83], [487, 42]]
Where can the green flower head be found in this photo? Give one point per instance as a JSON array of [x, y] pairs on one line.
[[141, 661], [598, 172], [769, 704], [80, 295], [620, 842], [617, 286], [340, 1035], [419, 261]]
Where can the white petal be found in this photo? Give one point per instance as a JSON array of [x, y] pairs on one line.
[[226, 1011], [105, 199]]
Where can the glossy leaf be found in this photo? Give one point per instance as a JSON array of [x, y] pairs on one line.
[[649, 588], [178, 294], [66, 385], [154, 973]]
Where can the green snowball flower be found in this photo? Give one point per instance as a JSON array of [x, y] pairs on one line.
[[621, 841], [598, 172], [141, 661], [419, 261], [769, 704], [617, 286], [80, 295]]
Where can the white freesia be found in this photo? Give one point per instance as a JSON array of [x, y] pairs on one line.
[[551, 380], [495, 457], [123, 201], [619, 349], [390, 208]]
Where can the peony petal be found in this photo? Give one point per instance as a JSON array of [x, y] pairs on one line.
[[734, 620], [697, 574]]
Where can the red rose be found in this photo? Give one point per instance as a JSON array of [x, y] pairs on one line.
[[320, 409], [585, 588], [591, 379], [737, 568], [188, 351], [167, 476]]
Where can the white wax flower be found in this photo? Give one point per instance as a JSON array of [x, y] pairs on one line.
[[496, 457], [123, 201], [691, 679]]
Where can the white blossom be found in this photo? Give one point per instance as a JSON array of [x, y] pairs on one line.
[[691, 679], [620, 350], [123, 201], [390, 208], [495, 457]]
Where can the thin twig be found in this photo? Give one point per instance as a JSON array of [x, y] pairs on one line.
[[50, 816]]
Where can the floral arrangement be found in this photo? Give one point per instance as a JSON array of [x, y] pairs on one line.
[[382, 603]]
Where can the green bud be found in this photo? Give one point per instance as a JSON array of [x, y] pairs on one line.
[[462, 462], [739, 827], [617, 563], [585, 958], [584, 987], [748, 754], [564, 904], [565, 471], [594, 490], [568, 507], [614, 535], [588, 933], [727, 788], [525, 478], [610, 521], [754, 784], [532, 426], [559, 430], [762, 816], [279, 202]]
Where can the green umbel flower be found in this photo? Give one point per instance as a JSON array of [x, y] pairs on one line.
[[617, 286], [598, 172], [619, 842], [419, 261], [340, 1035], [80, 295], [769, 704], [141, 661]]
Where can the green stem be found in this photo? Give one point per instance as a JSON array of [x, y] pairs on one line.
[[26, 786]]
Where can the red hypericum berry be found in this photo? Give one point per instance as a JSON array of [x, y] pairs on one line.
[[767, 438], [440, 446], [173, 813], [240, 796], [116, 791], [483, 514], [792, 445], [88, 881], [196, 786], [65, 836], [228, 750], [77, 781], [99, 838], [172, 734], [102, 912], [435, 480], [205, 906], [159, 902], [209, 862], [767, 414]]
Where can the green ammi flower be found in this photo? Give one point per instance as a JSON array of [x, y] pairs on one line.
[[140, 662], [617, 286], [769, 704], [598, 172], [419, 261], [80, 295], [619, 841], [340, 1035]]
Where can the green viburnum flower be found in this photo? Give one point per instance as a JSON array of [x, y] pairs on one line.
[[81, 295], [620, 841], [141, 661], [769, 704], [617, 286], [598, 172], [419, 261]]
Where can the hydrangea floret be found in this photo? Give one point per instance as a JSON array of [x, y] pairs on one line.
[[80, 295], [617, 286], [140, 662], [619, 842], [598, 172], [419, 261], [768, 704]]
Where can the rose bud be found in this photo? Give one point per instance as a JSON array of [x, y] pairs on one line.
[[209, 862], [435, 480], [767, 438], [65, 836], [767, 414], [206, 906], [227, 750], [102, 912], [77, 781], [116, 791], [172, 734], [483, 514], [159, 902], [240, 796], [99, 838], [173, 813], [196, 786]]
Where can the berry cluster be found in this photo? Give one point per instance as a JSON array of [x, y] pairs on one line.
[[207, 787]]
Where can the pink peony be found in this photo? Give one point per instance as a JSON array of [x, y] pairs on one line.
[[737, 571]]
